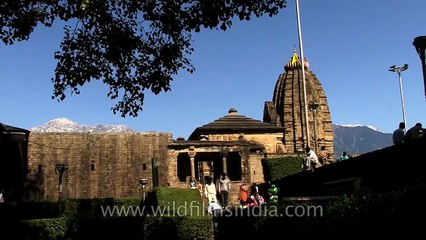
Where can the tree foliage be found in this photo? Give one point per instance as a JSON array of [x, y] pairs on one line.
[[130, 45]]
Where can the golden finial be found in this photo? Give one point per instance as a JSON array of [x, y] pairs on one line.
[[295, 57]]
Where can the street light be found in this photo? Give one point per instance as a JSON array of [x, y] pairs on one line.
[[398, 70], [420, 45], [60, 168], [313, 106]]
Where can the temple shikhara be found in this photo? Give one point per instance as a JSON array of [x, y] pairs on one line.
[[287, 108], [113, 164]]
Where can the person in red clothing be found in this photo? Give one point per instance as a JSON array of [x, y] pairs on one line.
[[244, 192]]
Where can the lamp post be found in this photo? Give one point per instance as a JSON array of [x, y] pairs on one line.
[[398, 70], [420, 45], [313, 106], [143, 182], [60, 168]]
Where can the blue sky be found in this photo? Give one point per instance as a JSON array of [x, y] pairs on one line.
[[349, 45]]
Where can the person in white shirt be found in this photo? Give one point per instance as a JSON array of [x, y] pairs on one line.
[[210, 190], [310, 162], [224, 189]]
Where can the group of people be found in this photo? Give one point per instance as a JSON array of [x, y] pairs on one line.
[[250, 196], [399, 136], [214, 191]]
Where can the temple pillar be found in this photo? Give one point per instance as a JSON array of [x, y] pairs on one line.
[[224, 163], [191, 154]]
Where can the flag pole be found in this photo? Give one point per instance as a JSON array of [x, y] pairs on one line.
[[302, 61]]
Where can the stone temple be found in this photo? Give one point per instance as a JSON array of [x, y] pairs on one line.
[[287, 109], [114, 164]]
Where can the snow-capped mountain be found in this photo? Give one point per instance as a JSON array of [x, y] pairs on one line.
[[359, 125], [358, 139], [66, 125]]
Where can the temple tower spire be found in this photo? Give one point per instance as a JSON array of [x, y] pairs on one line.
[[287, 108]]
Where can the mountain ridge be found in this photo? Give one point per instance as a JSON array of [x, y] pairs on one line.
[[358, 139], [67, 125]]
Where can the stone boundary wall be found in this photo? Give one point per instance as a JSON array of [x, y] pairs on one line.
[[99, 164]]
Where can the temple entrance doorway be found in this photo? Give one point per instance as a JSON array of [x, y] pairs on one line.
[[209, 165]]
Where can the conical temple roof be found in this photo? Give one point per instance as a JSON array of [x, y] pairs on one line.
[[234, 123], [287, 108]]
